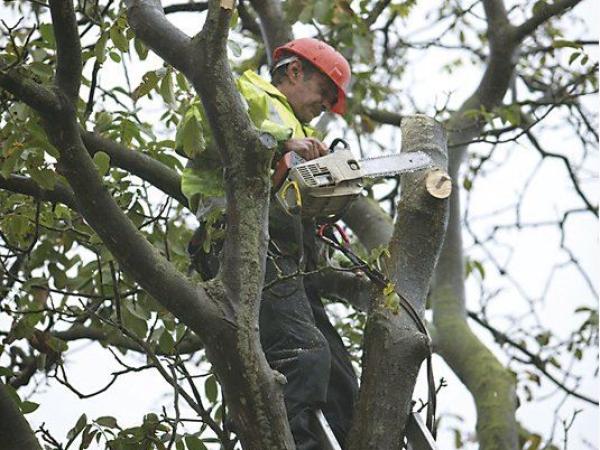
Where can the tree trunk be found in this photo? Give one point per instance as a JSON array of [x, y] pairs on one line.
[[394, 347], [15, 432]]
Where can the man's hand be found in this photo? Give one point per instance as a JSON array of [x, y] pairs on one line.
[[308, 148]]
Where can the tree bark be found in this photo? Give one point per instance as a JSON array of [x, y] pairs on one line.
[[15, 432], [393, 346]]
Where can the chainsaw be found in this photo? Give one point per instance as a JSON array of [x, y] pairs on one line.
[[324, 187]]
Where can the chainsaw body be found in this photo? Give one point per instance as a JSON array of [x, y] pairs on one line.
[[321, 188]]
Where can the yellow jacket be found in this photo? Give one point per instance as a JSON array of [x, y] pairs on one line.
[[269, 111]]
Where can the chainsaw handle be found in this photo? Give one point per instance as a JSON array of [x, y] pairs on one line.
[[337, 141]]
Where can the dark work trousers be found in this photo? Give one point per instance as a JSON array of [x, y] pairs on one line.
[[300, 342]]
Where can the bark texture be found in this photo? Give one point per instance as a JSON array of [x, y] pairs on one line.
[[394, 347]]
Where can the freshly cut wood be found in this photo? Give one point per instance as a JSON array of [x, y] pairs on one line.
[[438, 183]]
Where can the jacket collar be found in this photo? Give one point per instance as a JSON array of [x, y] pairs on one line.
[[264, 85]]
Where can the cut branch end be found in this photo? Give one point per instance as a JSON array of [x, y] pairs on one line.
[[438, 183]]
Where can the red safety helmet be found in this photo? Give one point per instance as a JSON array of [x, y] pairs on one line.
[[326, 59]]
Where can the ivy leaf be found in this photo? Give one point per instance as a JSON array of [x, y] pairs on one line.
[[102, 161]]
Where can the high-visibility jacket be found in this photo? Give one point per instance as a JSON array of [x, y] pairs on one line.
[[269, 111]]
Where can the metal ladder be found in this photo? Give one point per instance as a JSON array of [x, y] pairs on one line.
[[417, 434]]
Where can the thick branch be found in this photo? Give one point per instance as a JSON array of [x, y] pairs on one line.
[[28, 91], [186, 7], [68, 48], [148, 20], [383, 116], [371, 224], [15, 432], [357, 290], [394, 347], [252, 390], [545, 11], [76, 332], [23, 185], [143, 166]]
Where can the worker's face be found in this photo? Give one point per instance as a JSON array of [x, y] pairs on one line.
[[313, 92]]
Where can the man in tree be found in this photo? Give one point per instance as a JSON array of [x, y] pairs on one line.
[[308, 78]]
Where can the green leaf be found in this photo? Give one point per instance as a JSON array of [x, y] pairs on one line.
[[234, 18], [100, 48], [78, 428], [28, 407], [477, 265], [166, 89], [136, 325], [56, 344], [47, 32], [561, 43], [107, 421], [181, 81], [205, 182], [102, 161], [211, 389], [42, 70], [467, 184], [166, 343], [539, 6], [115, 57], [140, 49], [543, 338], [192, 137], [118, 38], [194, 443], [573, 57], [46, 178], [533, 442], [149, 82], [234, 47], [87, 437]]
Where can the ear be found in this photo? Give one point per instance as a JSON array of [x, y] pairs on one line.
[[294, 71]]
